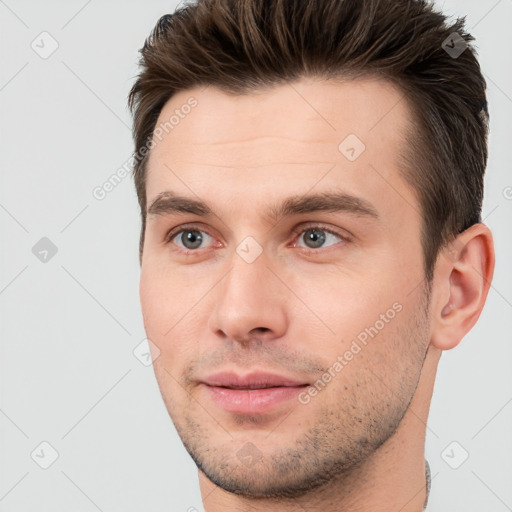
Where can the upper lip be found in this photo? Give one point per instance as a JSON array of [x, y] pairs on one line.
[[254, 380]]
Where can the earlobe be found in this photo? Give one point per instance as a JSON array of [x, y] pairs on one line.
[[464, 273]]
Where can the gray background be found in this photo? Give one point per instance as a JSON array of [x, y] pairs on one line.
[[69, 325]]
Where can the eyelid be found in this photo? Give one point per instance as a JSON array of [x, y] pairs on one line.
[[184, 227], [342, 233]]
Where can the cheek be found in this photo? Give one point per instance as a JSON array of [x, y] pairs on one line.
[[170, 321], [152, 302], [379, 365], [347, 303], [368, 330], [161, 297]]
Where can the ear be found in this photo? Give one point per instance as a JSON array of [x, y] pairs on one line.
[[462, 279]]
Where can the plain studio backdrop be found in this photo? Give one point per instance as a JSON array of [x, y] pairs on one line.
[[83, 426]]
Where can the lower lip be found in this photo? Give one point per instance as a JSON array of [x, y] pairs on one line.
[[252, 401]]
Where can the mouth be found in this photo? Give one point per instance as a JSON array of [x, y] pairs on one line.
[[254, 393], [254, 386]]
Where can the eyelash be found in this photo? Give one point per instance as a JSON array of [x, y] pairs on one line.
[[301, 229]]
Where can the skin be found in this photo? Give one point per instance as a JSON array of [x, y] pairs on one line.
[[358, 444]]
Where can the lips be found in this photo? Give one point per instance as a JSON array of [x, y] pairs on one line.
[[254, 393], [258, 380]]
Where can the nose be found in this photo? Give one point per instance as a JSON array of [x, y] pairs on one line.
[[250, 303]]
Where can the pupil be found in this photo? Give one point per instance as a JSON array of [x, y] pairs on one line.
[[191, 239], [316, 237]]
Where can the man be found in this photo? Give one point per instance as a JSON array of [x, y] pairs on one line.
[[310, 176]]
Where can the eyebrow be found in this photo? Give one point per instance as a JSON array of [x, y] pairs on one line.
[[168, 203]]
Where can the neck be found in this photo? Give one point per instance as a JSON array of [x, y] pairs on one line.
[[392, 479]]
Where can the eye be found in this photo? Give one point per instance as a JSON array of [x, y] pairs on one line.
[[315, 237], [190, 239]]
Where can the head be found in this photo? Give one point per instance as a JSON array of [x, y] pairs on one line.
[[310, 195]]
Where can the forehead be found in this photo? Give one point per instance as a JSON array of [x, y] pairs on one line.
[[289, 135], [297, 108]]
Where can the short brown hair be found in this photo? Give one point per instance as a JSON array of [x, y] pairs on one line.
[[244, 45]]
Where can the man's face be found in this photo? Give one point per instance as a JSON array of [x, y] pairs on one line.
[[290, 346]]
